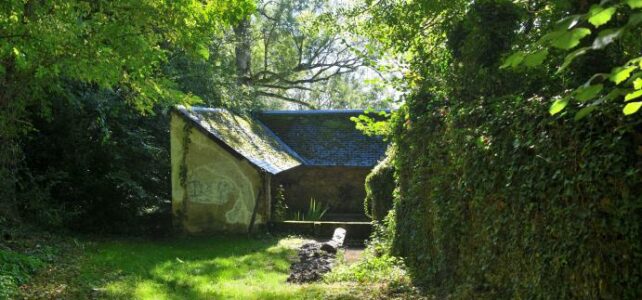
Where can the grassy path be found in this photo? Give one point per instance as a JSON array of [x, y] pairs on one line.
[[186, 268]]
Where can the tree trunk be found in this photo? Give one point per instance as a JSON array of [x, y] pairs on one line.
[[9, 155], [243, 51]]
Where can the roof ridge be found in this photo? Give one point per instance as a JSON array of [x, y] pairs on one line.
[[320, 111], [201, 108]]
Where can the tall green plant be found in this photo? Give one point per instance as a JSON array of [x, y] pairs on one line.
[[315, 212]]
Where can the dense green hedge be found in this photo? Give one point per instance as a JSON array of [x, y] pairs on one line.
[[499, 200], [380, 185]]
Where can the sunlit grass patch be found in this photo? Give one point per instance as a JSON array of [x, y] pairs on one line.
[[196, 268], [222, 267]]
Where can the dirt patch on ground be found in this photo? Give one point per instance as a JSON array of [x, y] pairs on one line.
[[352, 254]]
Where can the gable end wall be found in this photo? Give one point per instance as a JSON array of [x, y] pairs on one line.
[[220, 189]]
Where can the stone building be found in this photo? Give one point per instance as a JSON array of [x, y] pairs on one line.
[[227, 167]]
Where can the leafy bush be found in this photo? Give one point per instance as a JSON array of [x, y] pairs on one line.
[[380, 185], [378, 266], [15, 270], [98, 165], [383, 234]]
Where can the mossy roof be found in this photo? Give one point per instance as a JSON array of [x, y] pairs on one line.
[[244, 137], [276, 141], [325, 137]]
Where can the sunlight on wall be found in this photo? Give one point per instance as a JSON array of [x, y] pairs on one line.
[[220, 190]]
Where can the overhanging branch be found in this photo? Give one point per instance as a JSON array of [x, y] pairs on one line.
[[285, 98]]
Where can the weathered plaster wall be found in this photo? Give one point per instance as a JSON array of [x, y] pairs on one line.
[[339, 187], [219, 190]]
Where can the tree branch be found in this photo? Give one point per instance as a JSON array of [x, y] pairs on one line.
[[288, 99], [281, 87]]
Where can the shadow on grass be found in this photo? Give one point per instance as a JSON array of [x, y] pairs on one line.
[[194, 268]]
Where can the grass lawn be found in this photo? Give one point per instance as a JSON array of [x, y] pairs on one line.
[[223, 267]]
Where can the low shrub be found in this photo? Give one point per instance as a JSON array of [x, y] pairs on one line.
[[380, 185], [15, 270]]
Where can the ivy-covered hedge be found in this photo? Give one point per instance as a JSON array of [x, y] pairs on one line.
[[380, 185], [498, 200]]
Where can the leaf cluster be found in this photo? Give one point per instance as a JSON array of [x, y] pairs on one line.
[[569, 33]]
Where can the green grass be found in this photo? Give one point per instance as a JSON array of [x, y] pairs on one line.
[[223, 267], [194, 268]]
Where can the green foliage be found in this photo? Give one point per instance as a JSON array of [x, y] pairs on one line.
[[50, 52], [116, 176], [315, 212], [370, 269], [377, 265], [383, 234], [371, 123], [536, 196], [497, 199], [380, 185], [298, 216], [42, 44], [625, 18], [279, 208], [15, 270]]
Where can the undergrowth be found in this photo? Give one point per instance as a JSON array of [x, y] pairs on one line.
[[377, 266], [15, 270]]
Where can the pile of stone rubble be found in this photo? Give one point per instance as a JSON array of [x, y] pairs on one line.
[[313, 263], [316, 259]]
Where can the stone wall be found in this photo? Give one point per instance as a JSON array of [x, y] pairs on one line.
[[219, 190], [340, 188]]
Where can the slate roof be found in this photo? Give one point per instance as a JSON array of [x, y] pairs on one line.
[[276, 141], [243, 136], [325, 137]]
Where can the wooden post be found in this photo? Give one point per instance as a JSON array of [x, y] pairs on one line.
[[268, 196], [256, 205]]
